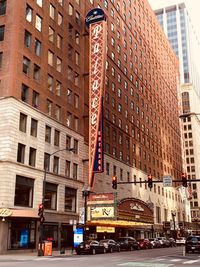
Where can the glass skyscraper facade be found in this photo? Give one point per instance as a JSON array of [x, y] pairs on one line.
[[177, 26]]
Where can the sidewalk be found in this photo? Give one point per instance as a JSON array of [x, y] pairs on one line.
[[32, 255]]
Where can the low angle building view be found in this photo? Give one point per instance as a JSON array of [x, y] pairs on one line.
[[99, 133]]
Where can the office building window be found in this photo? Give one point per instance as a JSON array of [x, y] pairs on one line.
[[50, 58], [50, 83], [32, 156], [24, 93], [76, 123], [26, 65], [3, 7], [36, 72], [48, 134], [29, 13], [70, 199], [57, 112], [22, 122], [38, 23], [38, 46], [24, 191], [35, 99], [1, 59], [50, 196], [21, 153], [55, 164], [75, 146], [34, 124], [52, 11], [58, 64], [68, 142], [39, 2], [67, 168], [27, 38], [49, 107], [58, 88], [51, 34], [75, 171], [46, 161], [56, 138]]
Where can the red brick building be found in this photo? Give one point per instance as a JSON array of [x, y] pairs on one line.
[[44, 80]]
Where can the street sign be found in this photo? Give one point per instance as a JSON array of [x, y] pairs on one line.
[[167, 181]]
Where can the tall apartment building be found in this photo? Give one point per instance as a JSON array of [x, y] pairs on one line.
[[44, 67], [178, 27]]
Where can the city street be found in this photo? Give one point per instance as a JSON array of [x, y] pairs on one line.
[[143, 258]]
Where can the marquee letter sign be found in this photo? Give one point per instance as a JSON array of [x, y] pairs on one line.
[[95, 19]]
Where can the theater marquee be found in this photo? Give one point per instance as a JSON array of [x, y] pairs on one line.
[[95, 19]]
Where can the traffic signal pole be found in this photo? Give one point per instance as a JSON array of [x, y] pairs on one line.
[[146, 181]]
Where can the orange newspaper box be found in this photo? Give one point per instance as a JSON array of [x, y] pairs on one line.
[[47, 248]]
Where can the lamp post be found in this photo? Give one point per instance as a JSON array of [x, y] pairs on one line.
[[41, 206], [174, 224]]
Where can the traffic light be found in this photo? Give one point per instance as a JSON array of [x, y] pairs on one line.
[[150, 182], [114, 182], [184, 179], [41, 212]]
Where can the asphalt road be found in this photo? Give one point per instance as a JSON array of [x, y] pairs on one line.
[[164, 257]]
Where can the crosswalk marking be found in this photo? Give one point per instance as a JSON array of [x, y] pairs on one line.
[[176, 260], [190, 262]]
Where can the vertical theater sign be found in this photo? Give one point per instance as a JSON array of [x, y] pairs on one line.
[[96, 22]]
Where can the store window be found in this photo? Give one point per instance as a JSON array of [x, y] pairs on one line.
[[50, 196], [22, 234], [24, 191], [70, 199]]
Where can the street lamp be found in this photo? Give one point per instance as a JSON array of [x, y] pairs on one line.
[[41, 206], [174, 225]]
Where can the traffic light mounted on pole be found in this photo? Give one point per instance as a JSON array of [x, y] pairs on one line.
[[150, 182], [41, 212], [114, 182], [184, 179]]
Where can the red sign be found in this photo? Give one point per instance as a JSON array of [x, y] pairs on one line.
[[96, 84]]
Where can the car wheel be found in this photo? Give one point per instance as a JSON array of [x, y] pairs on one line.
[[93, 251]]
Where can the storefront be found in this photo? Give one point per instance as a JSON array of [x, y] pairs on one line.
[[109, 219]]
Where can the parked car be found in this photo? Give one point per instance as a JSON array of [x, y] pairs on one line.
[[180, 241], [172, 242], [128, 243], [155, 243], [164, 242], [110, 245], [144, 243], [90, 247], [192, 243]]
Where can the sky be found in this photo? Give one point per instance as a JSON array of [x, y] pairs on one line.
[[193, 7]]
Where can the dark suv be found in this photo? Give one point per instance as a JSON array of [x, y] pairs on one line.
[[128, 243], [192, 243]]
